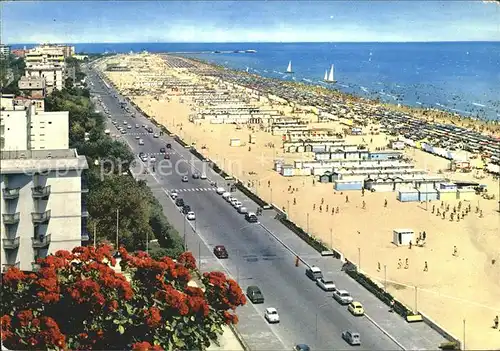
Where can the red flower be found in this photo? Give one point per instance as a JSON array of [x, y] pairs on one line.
[[153, 317], [113, 305], [188, 260], [5, 323], [145, 346], [13, 276], [25, 317]]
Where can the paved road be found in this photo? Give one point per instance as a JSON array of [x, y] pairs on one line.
[[308, 315]]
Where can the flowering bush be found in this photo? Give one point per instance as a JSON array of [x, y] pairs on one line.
[[77, 301]]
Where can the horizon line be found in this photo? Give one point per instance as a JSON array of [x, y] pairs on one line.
[[262, 42]]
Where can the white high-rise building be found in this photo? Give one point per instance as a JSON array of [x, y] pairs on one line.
[[41, 202]]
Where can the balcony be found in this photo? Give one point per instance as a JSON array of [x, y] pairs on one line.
[[11, 194], [41, 241], [85, 212], [39, 192], [11, 244], [11, 218], [40, 217], [6, 266]]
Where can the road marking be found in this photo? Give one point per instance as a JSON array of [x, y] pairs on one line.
[[191, 189]]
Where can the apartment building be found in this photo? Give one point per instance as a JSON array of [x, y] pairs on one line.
[[25, 126], [32, 86], [67, 50], [4, 50], [53, 75], [44, 55], [43, 207]]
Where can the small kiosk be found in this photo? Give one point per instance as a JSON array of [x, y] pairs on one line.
[[402, 236]]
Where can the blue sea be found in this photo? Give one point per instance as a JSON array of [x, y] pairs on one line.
[[461, 77]]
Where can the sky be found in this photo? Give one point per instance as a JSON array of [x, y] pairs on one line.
[[248, 21]]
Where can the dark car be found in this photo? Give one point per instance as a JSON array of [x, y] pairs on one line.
[[186, 209], [251, 217], [169, 146], [162, 150], [141, 154], [150, 130], [166, 157], [179, 202], [196, 175], [220, 251], [302, 347], [254, 294]]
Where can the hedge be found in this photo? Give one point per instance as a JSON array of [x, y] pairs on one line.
[[197, 154], [255, 198], [180, 141], [218, 170], [450, 345], [313, 242], [382, 295]]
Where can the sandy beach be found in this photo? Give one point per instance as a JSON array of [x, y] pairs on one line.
[[461, 284]]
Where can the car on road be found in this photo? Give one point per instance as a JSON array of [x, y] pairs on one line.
[[156, 135], [251, 217], [191, 216], [137, 137], [301, 347], [124, 131], [186, 209], [271, 315], [352, 338], [162, 150], [233, 201], [150, 130], [125, 122], [174, 195], [169, 146], [325, 284], [237, 204], [152, 158], [225, 195], [203, 175], [141, 142], [179, 202], [220, 251], [254, 294], [220, 190], [137, 126], [196, 175], [242, 210], [342, 296], [356, 308], [143, 126], [166, 157], [314, 273], [129, 127], [185, 179]]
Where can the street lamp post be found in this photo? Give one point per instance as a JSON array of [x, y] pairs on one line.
[[316, 329]]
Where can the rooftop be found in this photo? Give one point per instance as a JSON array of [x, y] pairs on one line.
[[26, 161]]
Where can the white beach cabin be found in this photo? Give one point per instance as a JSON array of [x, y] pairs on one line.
[[402, 236]]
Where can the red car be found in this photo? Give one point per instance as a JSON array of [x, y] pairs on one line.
[[220, 251]]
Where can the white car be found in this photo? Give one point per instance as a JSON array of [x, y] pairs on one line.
[[243, 210], [141, 142], [220, 190], [226, 195], [237, 204], [191, 216], [129, 127], [125, 122], [327, 285], [174, 195], [152, 158], [137, 126], [342, 296], [156, 135], [203, 176], [272, 315], [233, 201], [137, 137]]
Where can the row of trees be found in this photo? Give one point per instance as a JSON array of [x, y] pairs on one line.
[[140, 214], [11, 70], [76, 301]]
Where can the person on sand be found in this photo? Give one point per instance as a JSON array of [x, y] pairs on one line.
[[294, 201], [406, 263], [337, 210], [268, 183], [495, 322], [410, 245], [363, 192], [400, 264], [314, 207], [320, 208], [364, 205], [333, 210], [322, 200], [385, 203], [326, 209], [424, 235], [433, 208], [455, 251], [426, 267], [378, 266], [346, 199]]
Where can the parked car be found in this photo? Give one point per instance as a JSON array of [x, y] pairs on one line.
[[185, 179], [137, 126], [203, 175], [251, 217], [156, 135], [220, 190], [314, 273], [166, 157], [356, 308], [137, 137], [352, 338], [162, 150], [233, 201], [342, 296], [174, 195], [226, 195], [220, 251], [254, 294], [327, 285], [169, 146], [141, 142], [301, 347], [271, 315], [129, 127], [196, 175], [191, 216], [186, 209], [179, 202], [237, 204], [242, 210]]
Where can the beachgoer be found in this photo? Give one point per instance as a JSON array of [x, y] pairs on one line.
[[481, 214], [409, 246], [294, 201], [320, 208], [406, 263], [451, 216], [268, 183], [364, 205], [455, 251], [424, 235], [385, 203], [333, 210], [314, 207], [400, 264], [495, 322], [346, 198], [426, 267], [326, 208], [442, 204], [433, 208], [337, 210], [314, 182], [363, 192], [378, 266]]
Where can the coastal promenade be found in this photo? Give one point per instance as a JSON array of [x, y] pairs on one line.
[[455, 287]]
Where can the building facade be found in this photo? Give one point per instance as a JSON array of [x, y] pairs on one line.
[[4, 50], [53, 75], [32, 86], [41, 205]]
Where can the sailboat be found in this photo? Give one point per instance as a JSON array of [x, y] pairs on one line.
[[289, 68], [330, 78], [247, 69]]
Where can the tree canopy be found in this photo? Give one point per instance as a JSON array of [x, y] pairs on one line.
[[77, 301]]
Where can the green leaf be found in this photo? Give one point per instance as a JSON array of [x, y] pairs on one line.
[[121, 329]]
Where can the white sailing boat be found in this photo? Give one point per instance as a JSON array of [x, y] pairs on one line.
[[330, 77], [247, 69], [326, 76], [289, 68]]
